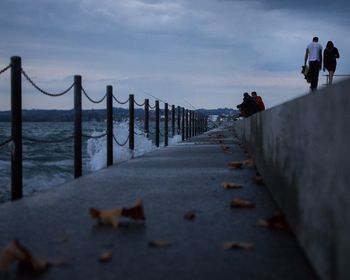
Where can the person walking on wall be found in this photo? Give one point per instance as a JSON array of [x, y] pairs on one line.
[[330, 55], [258, 100], [314, 54]]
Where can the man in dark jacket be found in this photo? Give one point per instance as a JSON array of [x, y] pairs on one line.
[[248, 107]]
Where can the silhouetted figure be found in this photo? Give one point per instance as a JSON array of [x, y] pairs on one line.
[[248, 107], [258, 100], [330, 55], [314, 54]]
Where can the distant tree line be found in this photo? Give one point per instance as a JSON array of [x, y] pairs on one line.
[[36, 115]]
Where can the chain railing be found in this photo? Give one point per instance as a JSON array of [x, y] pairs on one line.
[[120, 102], [16, 122], [5, 69], [44, 91], [92, 100], [120, 144], [5, 142]]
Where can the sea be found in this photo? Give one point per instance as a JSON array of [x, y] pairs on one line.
[[47, 165]]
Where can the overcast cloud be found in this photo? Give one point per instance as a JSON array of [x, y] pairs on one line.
[[202, 52]]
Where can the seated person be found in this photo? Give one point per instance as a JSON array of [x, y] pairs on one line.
[[248, 107]]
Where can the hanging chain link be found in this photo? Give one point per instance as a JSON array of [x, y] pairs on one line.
[[121, 103], [5, 69], [139, 104], [152, 107], [43, 91], [93, 101], [119, 144], [6, 142]]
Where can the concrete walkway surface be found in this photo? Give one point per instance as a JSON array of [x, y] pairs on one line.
[[170, 181]]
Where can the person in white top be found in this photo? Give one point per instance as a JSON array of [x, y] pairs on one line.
[[314, 54]]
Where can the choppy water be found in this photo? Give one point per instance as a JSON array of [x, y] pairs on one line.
[[46, 165]]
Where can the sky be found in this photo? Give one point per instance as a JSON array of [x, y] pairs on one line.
[[190, 53]]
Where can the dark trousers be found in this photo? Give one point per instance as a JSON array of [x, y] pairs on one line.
[[314, 69]]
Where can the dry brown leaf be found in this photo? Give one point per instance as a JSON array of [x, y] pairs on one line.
[[235, 164], [242, 203], [238, 245], [277, 221], [249, 162], [135, 212], [16, 252], [107, 216], [231, 185], [105, 256], [160, 243], [190, 215], [112, 216]]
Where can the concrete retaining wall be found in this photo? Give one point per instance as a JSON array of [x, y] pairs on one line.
[[302, 149]]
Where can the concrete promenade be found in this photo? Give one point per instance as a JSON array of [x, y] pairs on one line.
[[170, 181]]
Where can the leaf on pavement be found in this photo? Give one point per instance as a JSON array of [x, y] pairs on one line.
[[160, 243], [135, 212], [16, 252], [277, 221], [105, 256], [237, 245], [231, 185], [235, 164], [190, 215], [107, 216], [242, 203], [249, 162]]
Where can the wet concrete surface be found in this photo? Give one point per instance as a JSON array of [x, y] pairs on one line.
[[170, 182]]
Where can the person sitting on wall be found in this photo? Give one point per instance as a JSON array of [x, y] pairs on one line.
[[258, 100], [248, 107]]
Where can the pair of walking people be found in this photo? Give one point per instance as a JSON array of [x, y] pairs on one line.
[[314, 54]]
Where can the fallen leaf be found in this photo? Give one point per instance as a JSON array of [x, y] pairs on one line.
[[105, 256], [135, 212], [231, 185], [160, 243], [112, 216], [238, 245], [107, 216], [235, 164], [242, 203], [277, 221], [16, 252], [249, 162], [190, 215]]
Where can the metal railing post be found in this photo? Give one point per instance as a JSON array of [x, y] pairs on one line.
[[166, 127], [16, 128], [146, 129], [172, 120], [77, 127], [157, 123], [131, 122], [186, 123], [183, 124], [178, 120], [189, 123], [109, 125]]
